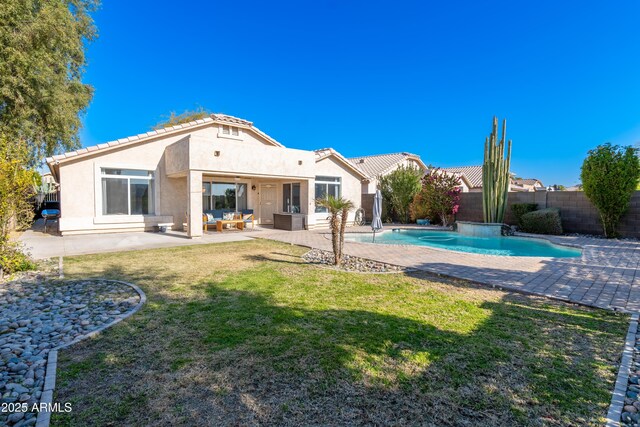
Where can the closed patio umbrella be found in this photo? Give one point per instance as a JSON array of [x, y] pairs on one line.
[[376, 223]]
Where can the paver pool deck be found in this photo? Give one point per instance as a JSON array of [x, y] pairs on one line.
[[605, 276]]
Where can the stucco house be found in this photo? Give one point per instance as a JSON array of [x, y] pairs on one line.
[[527, 184], [471, 177], [378, 165], [171, 175]]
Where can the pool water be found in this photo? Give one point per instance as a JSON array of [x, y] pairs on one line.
[[505, 246]]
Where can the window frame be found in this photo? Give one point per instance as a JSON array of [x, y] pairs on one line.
[[149, 177], [326, 180], [230, 132]]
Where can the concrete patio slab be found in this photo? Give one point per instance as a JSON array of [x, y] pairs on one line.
[[605, 276], [47, 245]]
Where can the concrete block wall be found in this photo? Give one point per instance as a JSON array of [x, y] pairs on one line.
[[577, 212]]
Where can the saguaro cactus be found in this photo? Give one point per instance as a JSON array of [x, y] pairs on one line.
[[495, 175]]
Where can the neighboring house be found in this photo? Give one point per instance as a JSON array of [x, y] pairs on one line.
[[472, 175], [49, 190], [383, 164], [171, 175], [464, 186], [527, 184], [48, 179]]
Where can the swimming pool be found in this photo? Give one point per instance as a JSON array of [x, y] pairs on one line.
[[504, 246]]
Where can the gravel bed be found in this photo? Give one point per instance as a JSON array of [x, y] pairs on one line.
[[631, 411], [351, 263], [37, 316]]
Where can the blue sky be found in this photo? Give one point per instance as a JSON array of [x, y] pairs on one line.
[[374, 77]]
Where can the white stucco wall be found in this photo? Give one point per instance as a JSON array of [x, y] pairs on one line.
[[351, 188], [188, 156], [81, 191]]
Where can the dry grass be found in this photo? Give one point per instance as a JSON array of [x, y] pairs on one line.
[[246, 333]]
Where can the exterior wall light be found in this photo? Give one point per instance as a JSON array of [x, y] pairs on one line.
[[216, 153]]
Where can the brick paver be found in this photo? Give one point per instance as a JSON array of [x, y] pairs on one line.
[[605, 276]]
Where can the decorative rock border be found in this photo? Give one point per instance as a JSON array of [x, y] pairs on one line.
[[37, 319], [44, 417], [626, 392], [351, 263]]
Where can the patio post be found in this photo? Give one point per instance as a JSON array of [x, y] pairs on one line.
[[194, 211]]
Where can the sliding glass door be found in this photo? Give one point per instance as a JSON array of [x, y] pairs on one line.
[[224, 195], [291, 198]]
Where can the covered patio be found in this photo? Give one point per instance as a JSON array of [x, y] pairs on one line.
[[237, 177]]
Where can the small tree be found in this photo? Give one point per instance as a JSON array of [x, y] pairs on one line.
[[338, 208], [399, 188], [439, 196], [42, 61], [610, 175], [16, 191]]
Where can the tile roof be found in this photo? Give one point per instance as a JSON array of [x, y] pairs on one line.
[[323, 153], [213, 118], [376, 165], [230, 119], [472, 173], [527, 181]]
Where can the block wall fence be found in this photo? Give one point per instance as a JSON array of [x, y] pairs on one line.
[[577, 213], [367, 205]]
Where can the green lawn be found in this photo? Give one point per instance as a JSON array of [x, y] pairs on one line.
[[246, 333]]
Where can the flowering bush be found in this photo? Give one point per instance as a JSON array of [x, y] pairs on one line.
[[438, 198]]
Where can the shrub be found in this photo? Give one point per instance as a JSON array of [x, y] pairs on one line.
[[610, 175], [12, 259], [519, 209], [16, 192], [544, 221], [398, 189]]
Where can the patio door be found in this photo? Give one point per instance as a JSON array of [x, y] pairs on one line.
[[268, 205]]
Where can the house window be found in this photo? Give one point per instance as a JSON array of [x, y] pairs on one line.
[[224, 195], [230, 130], [327, 186], [127, 192], [291, 197]]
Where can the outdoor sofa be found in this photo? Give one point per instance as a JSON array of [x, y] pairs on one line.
[[211, 217]]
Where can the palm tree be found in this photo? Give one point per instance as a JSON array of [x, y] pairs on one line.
[[338, 208]]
